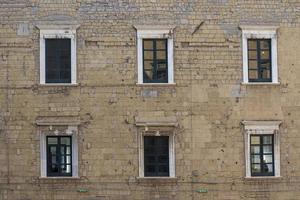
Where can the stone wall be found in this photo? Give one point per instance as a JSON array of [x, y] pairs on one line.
[[208, 101]]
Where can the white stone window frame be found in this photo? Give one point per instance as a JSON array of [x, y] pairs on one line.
[[150, 131], [262, 128], [71, 131], [60, 34], [154, 33], [260, 32]]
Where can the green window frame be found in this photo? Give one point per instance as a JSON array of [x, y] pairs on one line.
[[155, 60], [259, 60], [262, 155]]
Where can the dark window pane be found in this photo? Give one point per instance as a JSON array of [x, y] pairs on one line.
[[58, 60], [156, 162]]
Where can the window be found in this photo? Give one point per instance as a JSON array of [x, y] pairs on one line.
[[58, 60], [59, 156], [259, 60], [155, 61], [57, 56], [262, 157], [156, 156], [58, 151], [156, 152], [262, 149], [259, 54], [155, 56]]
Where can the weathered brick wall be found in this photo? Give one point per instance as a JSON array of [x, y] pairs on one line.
[[208, 100]]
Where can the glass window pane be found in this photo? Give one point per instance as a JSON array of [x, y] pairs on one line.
[[148, 70], [255, 168], [267, 149], [161, 44], [267, 168], [252, 54], [268, 158], [52, 140], [252, 64], [270, 167], [268, 139], [148, 44], [255, 149], [266, 74], [62, 160], [265, 64], [150, 168], [69, 161], [253, 74], [149, 159], [163, 168], [255, 159], [53, 150], [265, 44], [68, 169], [161, 55], [148, 55], [264, 54], [68, 150], [65, 140], [161, 71], [252, 44], [54, 168], [255, 140]]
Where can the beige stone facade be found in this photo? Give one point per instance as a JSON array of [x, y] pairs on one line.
[[204, 110]]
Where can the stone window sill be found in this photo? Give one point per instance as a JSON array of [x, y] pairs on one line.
[[59, 84], [263, 178], [156, 84], [260, 83], [60, 178], [157, 179]]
